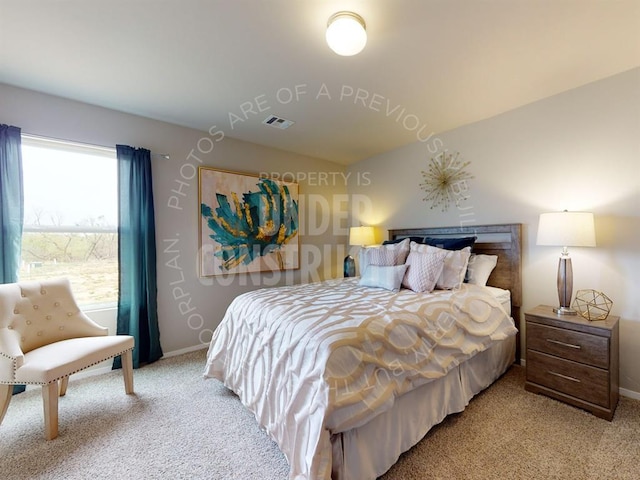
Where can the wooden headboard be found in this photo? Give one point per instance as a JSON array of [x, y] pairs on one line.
[[503, 240]]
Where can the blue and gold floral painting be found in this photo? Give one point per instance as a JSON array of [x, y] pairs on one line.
[[247, 223]]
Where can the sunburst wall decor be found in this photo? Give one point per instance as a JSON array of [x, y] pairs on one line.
[[445, 180]]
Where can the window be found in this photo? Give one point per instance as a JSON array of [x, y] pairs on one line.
[[71, 217]]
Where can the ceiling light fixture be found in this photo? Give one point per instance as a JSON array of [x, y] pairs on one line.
[[346, 33]]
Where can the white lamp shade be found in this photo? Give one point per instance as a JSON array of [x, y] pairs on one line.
[[346, 33], [566, 229], [361, 236]]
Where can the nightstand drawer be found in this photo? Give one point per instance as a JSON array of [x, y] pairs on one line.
[[582, 381], [576, 346]]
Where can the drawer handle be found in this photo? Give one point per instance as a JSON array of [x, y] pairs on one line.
[[570, 345], [566, 377]]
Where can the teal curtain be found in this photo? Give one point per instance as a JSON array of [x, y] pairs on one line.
[[11, 207], [137, 297], [11, 202]]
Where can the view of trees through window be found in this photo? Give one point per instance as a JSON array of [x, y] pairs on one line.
[[70, 227]]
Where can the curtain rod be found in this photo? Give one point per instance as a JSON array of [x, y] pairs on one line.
[[35, 138]]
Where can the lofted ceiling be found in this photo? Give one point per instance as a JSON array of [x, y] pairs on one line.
[[429, 65]]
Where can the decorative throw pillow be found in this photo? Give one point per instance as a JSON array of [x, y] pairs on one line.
[[423, 270], [400, 250], [480, 268], [381, 255], [388, 277], [450, 243], [398, 240], [455, 265]]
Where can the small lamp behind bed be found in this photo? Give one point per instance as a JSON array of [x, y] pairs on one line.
[[361, 236], [566, 229]]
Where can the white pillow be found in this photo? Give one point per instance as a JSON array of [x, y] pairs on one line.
[[455, 265], [388, 277], [423, 270], [399, 250], [480, 267]]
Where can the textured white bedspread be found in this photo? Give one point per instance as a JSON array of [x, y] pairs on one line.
[[323, 358]]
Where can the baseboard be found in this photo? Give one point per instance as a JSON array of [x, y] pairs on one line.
[[629, 394], [99, 370], [195, 348]]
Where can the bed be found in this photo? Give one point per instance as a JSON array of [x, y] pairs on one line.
[[345, 378]]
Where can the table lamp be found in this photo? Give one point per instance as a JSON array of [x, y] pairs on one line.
[[361, 236], [566, 229]]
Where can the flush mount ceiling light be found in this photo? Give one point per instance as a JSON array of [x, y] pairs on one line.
[[346, 33]]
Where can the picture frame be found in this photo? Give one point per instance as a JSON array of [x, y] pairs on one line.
[[247, 223]]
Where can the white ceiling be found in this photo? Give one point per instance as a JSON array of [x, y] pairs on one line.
[[429, 65]]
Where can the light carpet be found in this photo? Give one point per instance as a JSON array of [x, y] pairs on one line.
[[180, 426]]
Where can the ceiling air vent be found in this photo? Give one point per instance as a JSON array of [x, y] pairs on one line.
[[277, 122]]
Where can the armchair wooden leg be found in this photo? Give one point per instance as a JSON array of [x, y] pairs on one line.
[[50, 402], [64, 383], [127, 371], [6, 392]]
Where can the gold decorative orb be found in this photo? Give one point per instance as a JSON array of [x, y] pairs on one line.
[[592, 305]]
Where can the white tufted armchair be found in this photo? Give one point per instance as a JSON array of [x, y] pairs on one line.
[[44, 338]]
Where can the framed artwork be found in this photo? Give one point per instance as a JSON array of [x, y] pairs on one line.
[[247, 223]]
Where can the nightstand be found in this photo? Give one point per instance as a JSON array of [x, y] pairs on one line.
[[573, 360]]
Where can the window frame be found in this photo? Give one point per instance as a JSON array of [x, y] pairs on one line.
[[49, 143]]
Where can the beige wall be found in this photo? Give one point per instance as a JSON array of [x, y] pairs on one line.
[[189, 307], [579, 150]]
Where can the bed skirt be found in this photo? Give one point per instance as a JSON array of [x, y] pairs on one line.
[[370, 450]]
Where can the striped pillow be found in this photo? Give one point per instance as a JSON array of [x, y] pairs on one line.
[[388, 277], [382, 255]]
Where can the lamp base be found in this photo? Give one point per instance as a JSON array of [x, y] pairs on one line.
[[564, 311], [349, 266], [565, 285]]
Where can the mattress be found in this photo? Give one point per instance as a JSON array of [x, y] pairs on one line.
[[503, 296]]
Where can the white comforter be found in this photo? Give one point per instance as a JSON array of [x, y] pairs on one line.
[[323, 358]]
